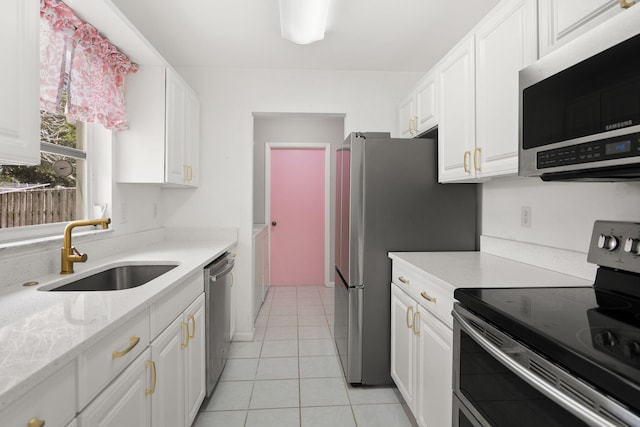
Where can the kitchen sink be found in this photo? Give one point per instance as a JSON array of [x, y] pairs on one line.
[[116, 278]]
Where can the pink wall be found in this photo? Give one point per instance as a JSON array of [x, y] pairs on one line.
[[297, 205]]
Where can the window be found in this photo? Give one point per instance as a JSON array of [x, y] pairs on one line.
[[53, 191]]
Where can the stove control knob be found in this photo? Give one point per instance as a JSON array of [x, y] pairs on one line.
[[605, 339], [631, 349], [632, 246], [607, 242]]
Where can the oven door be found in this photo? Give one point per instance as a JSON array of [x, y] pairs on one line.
[[499, 382]]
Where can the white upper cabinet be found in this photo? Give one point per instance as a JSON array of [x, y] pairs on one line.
[[456, 131], [162, 143], [506, 42], [19, 83], [406, 116], [479, 92], [563, 20], [417, 113]]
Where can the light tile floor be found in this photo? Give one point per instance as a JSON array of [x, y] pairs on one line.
[[290, 375]]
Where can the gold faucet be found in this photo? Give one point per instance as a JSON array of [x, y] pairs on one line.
[[69, 253]]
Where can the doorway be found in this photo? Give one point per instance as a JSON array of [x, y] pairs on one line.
[[297, 212]]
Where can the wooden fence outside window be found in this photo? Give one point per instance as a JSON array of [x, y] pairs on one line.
[[38, 206]]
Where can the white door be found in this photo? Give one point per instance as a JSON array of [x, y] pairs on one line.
[[403, 344], [435, 362], [168, 355], [456, 113], [194, 361], [505, 44], [19, 83], [406, 112], [426, 103], [175, 129], [125, 402]]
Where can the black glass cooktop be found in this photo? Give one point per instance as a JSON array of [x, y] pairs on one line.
[[593, 333]]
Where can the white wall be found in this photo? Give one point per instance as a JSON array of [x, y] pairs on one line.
[[562, 215], [228, 99]]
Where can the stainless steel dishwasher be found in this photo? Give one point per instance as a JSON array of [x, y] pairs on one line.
[[218, 280]]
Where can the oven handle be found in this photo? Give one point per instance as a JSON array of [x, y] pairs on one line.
[[571, 405]]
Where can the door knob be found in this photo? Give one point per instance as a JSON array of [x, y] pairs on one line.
[[273, 223]]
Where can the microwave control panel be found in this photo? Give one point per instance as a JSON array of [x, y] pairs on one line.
[[595, 151]]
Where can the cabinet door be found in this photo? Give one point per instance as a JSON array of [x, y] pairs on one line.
[[175, 129], [406, 112], [505, 43], [403, 345], [563, 20], [19, 83], [456, 113], [434, 361], [426, 103], [192, 139], [195, 380], [126, 402], [167, 353]]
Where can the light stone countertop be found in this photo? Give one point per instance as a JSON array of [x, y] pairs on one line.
[[482, 270], [42, 331]]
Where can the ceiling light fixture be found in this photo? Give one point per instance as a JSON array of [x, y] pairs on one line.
[[303, 21]]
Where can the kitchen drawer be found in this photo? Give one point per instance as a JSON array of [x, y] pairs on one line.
[[171, 306], [435, 297], [105, 360], [50, 401]]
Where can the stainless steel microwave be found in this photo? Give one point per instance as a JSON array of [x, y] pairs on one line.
[[580, 107]]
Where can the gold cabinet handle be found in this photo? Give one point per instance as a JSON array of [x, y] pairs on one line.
[[475, 158], [403, 280], [133, 341], [626, 4], [416, 321], [35, 423], [427, 297], [190, 173], [409, 309], [411, 126], [192, 321], [152, 364], [232, 280], [186, 335], [465, 161]]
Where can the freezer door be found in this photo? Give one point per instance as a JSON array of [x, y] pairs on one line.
[[348, 329]]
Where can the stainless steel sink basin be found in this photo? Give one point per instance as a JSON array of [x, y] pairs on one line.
[[117, 278]]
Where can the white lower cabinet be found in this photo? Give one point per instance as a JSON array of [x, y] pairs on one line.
[[165, 385], [50, 403], [167, 353], [421, 359], [127, 401], [434, 372], [195, 362], [179, 357]]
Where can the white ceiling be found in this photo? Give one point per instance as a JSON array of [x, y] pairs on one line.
[[377, 35]]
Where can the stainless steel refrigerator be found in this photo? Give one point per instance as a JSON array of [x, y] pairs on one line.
[[387, 199]]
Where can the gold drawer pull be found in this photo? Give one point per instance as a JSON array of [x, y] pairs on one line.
[[475, 158], [403, 280], [409, 309], [625, 4], [186, 335], [151, 390], [427, 297], [416, 322], [133, 341], [35, 423], [192, 320], [465, 161]]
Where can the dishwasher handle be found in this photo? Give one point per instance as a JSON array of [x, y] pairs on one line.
[[215, 275]]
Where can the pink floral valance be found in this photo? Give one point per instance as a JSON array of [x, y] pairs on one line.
[[73, 56]]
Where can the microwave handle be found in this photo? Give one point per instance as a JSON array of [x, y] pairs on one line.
[[571, 405]]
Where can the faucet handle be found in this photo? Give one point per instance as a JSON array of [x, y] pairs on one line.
[[81, 257]]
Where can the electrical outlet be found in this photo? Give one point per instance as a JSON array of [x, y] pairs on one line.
[[123, 213], [525, 216]]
